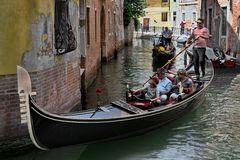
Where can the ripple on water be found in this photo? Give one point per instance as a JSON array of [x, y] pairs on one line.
[[210, 132]]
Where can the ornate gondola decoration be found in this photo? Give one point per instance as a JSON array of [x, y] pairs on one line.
[[65, 40]]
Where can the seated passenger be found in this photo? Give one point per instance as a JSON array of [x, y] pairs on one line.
[[170, 47], [148, 91], [183, 84], [163, 88]]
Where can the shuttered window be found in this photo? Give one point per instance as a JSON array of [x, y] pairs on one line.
[[164, 16]]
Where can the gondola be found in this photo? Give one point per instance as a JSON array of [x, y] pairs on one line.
[[162, 53], [115, 120], [218, 57], [221, 59]]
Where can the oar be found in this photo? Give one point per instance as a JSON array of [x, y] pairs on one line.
[[170, 61]]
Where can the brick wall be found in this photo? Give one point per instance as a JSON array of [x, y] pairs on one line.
[[93, 48], [234, 38], [58, 90], [10, 125], [106, 34], [9, 107]]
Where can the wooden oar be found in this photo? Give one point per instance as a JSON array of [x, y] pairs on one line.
[[170, 61]]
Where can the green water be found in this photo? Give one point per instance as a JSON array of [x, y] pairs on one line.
[[209, 132]]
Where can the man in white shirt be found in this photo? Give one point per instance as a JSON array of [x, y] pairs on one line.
[[163, 88], [167, 36]]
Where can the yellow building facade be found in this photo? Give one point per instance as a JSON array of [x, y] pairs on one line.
[[156, 14], [16, 29]]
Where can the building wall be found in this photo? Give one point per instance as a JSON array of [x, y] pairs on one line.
[[114, 28], [234, 38], [188, 7], [154, 14], [175, 19], [93, 52], [231, 39], [27, 39], [106, 36]]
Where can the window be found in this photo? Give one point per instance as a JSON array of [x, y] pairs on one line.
[[231, 5], [95, 25], [165, 3], [238, 27], [194, 16], [65, 40], [88, 26], [174, 16], [183, 17], [210, 12], [164, 16], [224, 21], [109, 22]]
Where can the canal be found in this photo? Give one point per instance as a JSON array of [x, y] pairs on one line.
[[209, 132]]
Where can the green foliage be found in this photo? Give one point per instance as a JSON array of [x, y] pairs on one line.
[[133, 9]]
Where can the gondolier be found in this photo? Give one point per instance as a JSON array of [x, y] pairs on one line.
[[167, 36], [201, 34]]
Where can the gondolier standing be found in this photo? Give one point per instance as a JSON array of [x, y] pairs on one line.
[[201, 34], [167, 36]]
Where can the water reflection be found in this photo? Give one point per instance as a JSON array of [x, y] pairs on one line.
[[223, 116], [168, 142], [64, 153], [132, 66]]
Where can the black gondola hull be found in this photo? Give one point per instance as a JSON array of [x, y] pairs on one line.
[[51, 132]]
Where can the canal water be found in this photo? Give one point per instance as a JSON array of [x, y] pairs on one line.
[[209, 132]]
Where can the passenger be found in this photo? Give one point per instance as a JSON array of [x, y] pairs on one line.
[[183, 84], [163, 88], [170, 47], [149, 91]]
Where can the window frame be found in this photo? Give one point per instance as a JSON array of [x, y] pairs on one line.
[[164, 16]]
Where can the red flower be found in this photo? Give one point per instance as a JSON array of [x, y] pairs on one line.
[[98, 90]]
